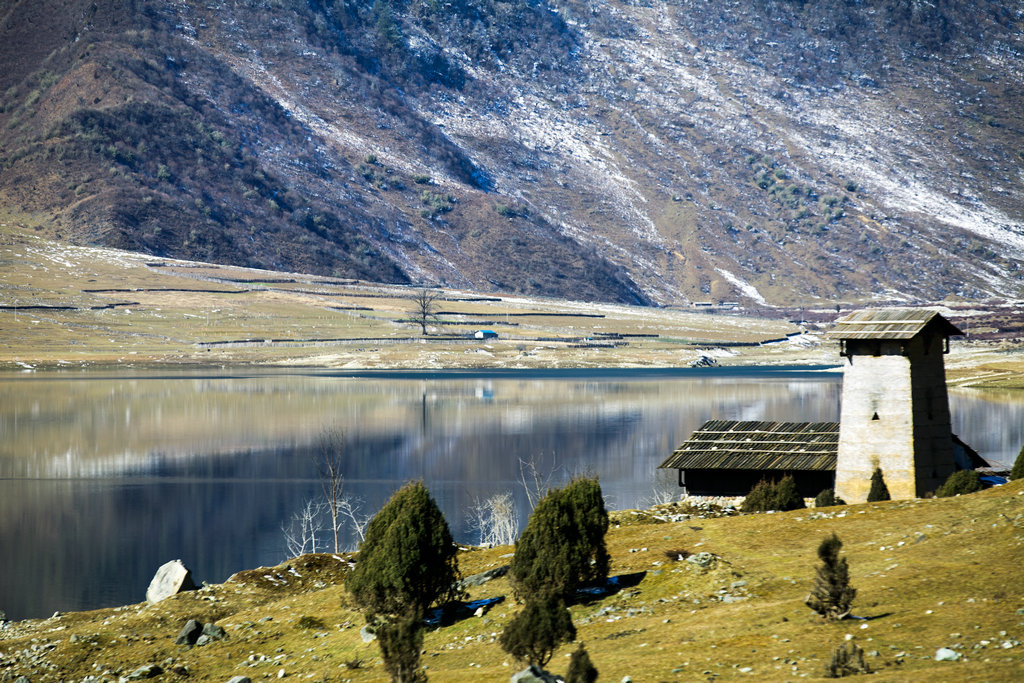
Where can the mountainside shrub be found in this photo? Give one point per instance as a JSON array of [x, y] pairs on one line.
[[961, 481], [831, 594], [1017, 472], [879, 491], [563, 544]]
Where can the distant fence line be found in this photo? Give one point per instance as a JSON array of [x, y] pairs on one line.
[[240, 343]]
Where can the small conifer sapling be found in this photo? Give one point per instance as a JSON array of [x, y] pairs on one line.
[[831, 594], [847, 660]]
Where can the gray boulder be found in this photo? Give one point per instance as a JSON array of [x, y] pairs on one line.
[[702, 559], [172, 578], [483, 577], [240, 679], [534, 674], [211, 632], [190, 633], [145, 671]]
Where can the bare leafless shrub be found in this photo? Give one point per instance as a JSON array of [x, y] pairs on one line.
[[301, 533], [496, 520]]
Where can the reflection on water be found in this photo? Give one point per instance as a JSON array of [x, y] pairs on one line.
[[102, 479]]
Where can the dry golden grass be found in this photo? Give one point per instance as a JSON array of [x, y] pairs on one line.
[[130, 309], [174, 312], [929, 574]]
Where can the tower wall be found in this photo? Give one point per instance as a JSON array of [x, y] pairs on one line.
[[894, 415], [933, 431], [875, 427]]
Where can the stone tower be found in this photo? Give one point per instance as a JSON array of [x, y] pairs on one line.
[[895, 410]]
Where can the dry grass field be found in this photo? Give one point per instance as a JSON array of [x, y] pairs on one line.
[[929, 573], [64, 306]]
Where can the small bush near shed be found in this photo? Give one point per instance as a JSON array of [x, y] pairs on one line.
[[827, 498], [766, 495], [962, 481]]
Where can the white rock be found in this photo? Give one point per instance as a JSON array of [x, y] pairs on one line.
[[173, 577], [944, 654]]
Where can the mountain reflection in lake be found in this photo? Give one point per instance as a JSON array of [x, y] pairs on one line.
[[104, 478]]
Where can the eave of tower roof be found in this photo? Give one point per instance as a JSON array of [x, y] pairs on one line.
[[891, 323]]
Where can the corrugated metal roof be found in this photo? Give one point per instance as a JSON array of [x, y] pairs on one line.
[[730, 444], [890, 323]]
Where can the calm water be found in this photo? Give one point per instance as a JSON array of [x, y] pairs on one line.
[[105, 477]]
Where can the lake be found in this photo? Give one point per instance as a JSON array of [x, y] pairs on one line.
[[106, 476]]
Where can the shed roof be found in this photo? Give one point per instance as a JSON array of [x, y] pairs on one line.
[[891, 323], [730, 444]]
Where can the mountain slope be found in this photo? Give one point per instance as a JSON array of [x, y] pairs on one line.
[[646, 152]]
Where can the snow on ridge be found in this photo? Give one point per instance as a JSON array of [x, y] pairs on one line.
[[853, 152], [745, 287]]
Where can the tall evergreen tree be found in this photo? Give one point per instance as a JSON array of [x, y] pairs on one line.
[[406, 563], [563, 544], [879, 491], [831, 594]]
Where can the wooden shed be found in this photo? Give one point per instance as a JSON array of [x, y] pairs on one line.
[[728, 457]]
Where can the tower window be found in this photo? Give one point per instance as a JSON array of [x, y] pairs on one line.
[[874, 417]]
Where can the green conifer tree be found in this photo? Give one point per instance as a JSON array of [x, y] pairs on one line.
[[827, 498], [765, 496], [879, 491], [760, 497], [407, 562], [960, 482], [563, 544], [786, 496], [831, 594], [401, 642]]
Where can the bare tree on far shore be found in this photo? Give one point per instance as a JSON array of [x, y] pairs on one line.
[[425, 305]]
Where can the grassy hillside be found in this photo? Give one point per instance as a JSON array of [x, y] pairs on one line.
[[929, 574]]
